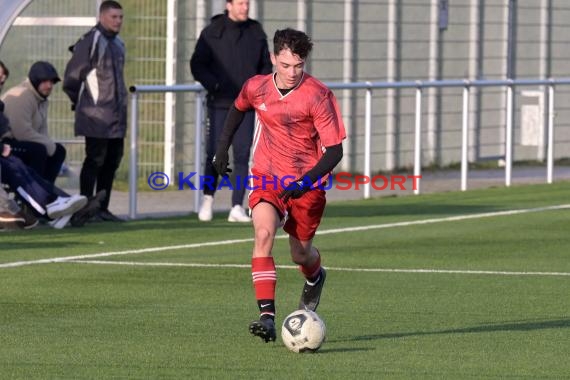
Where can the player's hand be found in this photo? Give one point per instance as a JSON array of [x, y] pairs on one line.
[[221, 163], [295, 189], [6, 150]]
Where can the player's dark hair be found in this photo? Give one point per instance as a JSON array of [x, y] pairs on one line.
[[298, 42], [109, 4]]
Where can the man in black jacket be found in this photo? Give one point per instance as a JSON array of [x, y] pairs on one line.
[[230, 50], [94, 82]]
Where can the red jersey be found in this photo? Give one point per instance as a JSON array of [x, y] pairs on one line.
[[293, 129]]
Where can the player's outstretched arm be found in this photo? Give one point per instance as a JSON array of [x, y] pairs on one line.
[[231, 125]]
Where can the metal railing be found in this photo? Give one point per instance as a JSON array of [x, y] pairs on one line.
[[419, 86], [133, 158]]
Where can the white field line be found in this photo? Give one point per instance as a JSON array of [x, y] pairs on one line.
[[323, 232], [385, 270]]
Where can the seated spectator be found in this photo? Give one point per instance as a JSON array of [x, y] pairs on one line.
[[26, 127], [44, 198]]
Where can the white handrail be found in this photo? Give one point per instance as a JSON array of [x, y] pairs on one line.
[[369, 86]]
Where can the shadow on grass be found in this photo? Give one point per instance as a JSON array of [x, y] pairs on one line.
[[512, 326], [176, 223], [334, 350], [27, 245]]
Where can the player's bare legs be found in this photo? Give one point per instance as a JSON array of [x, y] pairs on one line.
[[309, 260], [265, 224], [302, 252]]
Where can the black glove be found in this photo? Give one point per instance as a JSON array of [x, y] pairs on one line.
[[296, 189], [221, 162]]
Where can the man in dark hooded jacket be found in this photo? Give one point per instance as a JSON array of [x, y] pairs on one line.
[[94, 82], [229, 51], [26, 127]]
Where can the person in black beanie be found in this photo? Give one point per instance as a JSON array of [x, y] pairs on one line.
[[229, 51], [94, 82], [26, 128]]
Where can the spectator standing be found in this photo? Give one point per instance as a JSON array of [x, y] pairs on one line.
[[94, 82], [26, 108], [230, 50]]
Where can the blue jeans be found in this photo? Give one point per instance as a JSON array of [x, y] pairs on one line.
[[29, 185], [35, 156]]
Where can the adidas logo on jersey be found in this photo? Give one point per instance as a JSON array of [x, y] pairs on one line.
[[262, 107]]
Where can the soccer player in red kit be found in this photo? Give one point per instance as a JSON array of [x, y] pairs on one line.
[[297, 143]]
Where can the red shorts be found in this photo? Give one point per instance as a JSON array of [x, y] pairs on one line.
[[302, 215]]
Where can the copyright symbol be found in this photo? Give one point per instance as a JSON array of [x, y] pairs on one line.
[[158, 181]]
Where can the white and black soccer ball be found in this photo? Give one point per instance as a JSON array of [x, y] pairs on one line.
[[303, 331]]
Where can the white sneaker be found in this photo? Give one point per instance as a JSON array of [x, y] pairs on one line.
[[206, 213], [60, 222], [65, 205], [237, 214]]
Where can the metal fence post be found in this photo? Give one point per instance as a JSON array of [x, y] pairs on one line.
[[133, 165], [465, 139], [550, 147], [509, 138], [418, 140], [367, 140], [198, 144]]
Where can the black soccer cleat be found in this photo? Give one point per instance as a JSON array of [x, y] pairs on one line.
[[311, 295], [264, 328]]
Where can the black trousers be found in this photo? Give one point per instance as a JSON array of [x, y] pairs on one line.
[[35, 156], [102, 159], [241, 145]]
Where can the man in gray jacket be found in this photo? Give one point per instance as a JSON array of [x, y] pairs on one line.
[[26, 129], [95, 84]]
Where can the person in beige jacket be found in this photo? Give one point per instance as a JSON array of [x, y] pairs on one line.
[[26, 107]]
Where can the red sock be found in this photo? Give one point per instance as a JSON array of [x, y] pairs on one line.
[[264, 277], [312, 272]]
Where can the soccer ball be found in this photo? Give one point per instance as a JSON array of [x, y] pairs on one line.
[[303, 331]]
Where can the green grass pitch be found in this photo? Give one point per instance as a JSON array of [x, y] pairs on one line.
[[471, 285]]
